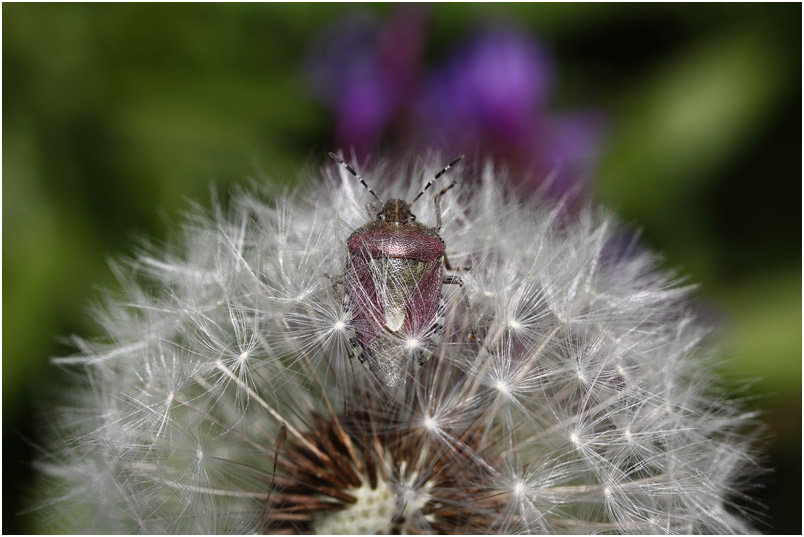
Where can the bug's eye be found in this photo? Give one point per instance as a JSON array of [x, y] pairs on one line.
[[380, 216], [412, 218]]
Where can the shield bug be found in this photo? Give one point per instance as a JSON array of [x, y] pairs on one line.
[[393, 280]]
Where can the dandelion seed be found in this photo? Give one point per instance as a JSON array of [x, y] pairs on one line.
[[223, 398]]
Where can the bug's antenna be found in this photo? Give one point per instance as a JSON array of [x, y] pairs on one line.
[[351, 170], [439, 174]]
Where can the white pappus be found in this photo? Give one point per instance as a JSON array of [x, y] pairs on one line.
[[223, 398]]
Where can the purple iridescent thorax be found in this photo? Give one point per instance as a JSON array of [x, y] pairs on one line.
[[406, 244]]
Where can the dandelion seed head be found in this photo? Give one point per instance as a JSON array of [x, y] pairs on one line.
[[229, 393], [430, 424]]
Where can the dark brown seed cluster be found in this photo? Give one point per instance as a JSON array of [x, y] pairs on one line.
[[381, 459]]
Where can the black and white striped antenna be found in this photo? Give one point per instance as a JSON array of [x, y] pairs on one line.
[[353, 172], [439, 174]]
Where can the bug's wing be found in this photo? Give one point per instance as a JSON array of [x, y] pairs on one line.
[[367, 304], [423, 302]]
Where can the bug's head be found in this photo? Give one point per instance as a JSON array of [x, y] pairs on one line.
[[396, 211]]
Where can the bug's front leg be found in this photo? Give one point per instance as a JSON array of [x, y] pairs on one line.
[[437, 202], [448, 266], [336, 280], [371, 210], [454, 280]]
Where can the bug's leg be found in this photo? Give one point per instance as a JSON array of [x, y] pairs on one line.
[[447, 266], [454, 280], [371, 210], [356, 349], [435, 333], [335, 280], [363, 355], [437, 201]]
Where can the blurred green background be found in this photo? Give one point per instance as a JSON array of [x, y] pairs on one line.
[[115, 115]]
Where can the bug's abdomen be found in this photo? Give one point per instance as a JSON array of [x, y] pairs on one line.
[[395, 295], [394, 305]]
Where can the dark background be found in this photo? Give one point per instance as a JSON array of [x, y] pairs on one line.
[[115, 115]]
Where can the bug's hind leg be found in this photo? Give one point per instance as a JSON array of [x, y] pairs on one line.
[[454, 280], [356, 348], [434, 338]]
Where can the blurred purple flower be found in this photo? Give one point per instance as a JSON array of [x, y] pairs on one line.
[[569, 153], [490, 90], [488, 100], [367, 73]]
